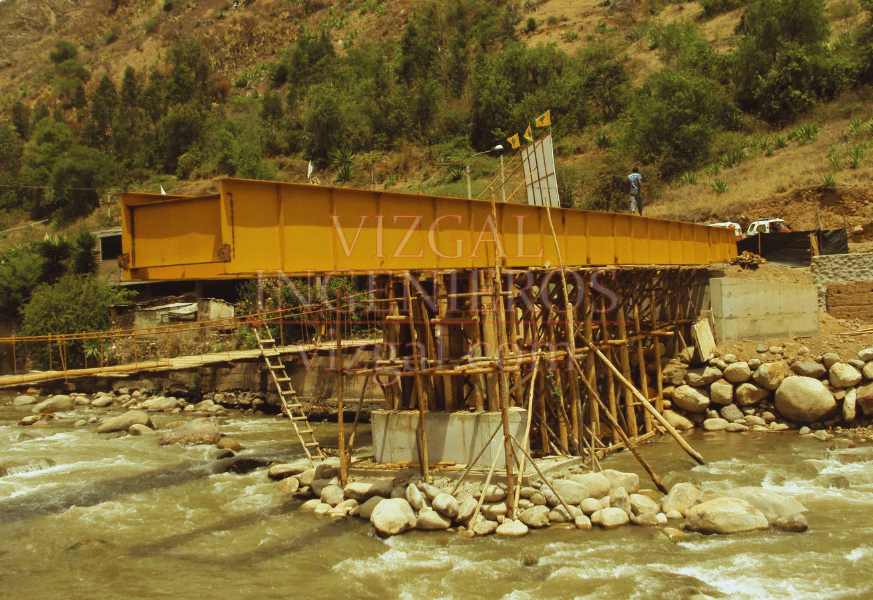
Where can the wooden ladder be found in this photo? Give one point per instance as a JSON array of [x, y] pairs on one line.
[[290, 404]]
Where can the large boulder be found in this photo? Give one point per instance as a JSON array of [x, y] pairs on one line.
[[843, 375], [596, 485], [804, 399], [721, 392], [54, 404], [731, 413], [702, 376], [738, 372], [446, 504], [25, 400], [748, 394], [196, 432], [641, 505], [725, 515], [414, 497], [610, 518], [681, 496], [864, 398], [674, 373], [102, 401], [715, 424], [429, 519], [867, 370], [866, 354], [849, 406], [770, 375], [284, 470], [365, 510], [162, 404], [123, 422], [772, 504], [808, 368], [362, 490], [691, 399], [512, 529], [677, 421], [536, 517], [629, 481], [332, 494], [393, 516]]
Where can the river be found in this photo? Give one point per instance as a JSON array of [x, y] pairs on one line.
[[121, 517]]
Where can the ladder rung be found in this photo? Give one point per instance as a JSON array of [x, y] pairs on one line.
[[279, 366], [303, 431], [310, 444], [298, 418], [283, 379], [288, 392], [268, 341]]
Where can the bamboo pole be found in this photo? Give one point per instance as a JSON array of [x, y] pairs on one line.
[[641, 363], [475, 516], [351, 447], [610, 384], [526, 430], [659, 377], [344, 474], [647, 405], [624, 357], [630, 444], [543, 477], [418, 393]]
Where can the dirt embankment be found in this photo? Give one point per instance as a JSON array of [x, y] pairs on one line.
[[811, 208]]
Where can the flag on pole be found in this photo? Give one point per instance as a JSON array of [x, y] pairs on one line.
[[163, 193], [545, 119], [528, 135], [309, 171], [514, 142]]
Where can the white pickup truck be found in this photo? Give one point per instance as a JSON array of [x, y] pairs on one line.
[[765, 225]]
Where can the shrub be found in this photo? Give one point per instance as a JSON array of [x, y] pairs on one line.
[[64, 50], [855, 126], [150, 24], [688, 178], [836, 162], [603, 139], [531, 25], [856, 155]]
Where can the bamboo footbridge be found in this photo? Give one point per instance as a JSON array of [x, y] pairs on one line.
[[485, 305]]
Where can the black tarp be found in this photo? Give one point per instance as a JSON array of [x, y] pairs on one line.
[[794, 248]]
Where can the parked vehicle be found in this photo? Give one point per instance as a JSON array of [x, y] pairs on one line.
[[767, 225], [738, 231]]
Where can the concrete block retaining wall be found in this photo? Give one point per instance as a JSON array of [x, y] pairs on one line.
[[748, 309], [839, 267]]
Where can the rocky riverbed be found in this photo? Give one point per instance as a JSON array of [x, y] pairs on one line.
[[111, 515]]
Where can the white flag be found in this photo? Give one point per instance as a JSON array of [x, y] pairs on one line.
[[163, 193], [309, 171]]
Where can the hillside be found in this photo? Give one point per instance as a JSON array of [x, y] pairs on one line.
[[416, 87]]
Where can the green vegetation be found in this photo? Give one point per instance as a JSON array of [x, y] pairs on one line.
[[459, 77]]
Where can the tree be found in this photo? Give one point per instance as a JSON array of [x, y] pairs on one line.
[[21, 119], [76, 180], [130, 92], [674, 120], [55, 251], [74, 304], [104, 101], [84, 259], [20, 270]]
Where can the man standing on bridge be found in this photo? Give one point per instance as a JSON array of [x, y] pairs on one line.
[[636, 191]]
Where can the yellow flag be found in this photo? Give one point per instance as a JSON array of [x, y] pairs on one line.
[[513, 141], [545, 119], [528, 135]]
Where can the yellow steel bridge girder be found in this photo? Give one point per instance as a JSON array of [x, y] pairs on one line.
[[256, 226]]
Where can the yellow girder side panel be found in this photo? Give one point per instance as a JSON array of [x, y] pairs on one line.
[[269, 226], [170, 231]]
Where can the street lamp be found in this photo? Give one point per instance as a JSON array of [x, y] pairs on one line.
[[469, 189]]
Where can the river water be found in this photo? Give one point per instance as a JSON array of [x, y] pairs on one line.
[[121, 517]]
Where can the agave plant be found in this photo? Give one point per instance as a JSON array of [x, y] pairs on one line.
[[688, 177], [780, 141], [829, 181], [84, 258], [855, 126], [719, 186], [856, 155], [603, 139]]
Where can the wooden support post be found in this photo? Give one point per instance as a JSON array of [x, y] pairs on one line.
[[630, 412], [418, 391], [641, 359], [443, 336], [344, 475], [659, 377], [590, 365], [610, 381]]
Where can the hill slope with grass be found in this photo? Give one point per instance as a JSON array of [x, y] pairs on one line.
[[729, 107]]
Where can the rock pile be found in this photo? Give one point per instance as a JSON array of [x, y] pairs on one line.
[[609, 500], [777, 394]]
